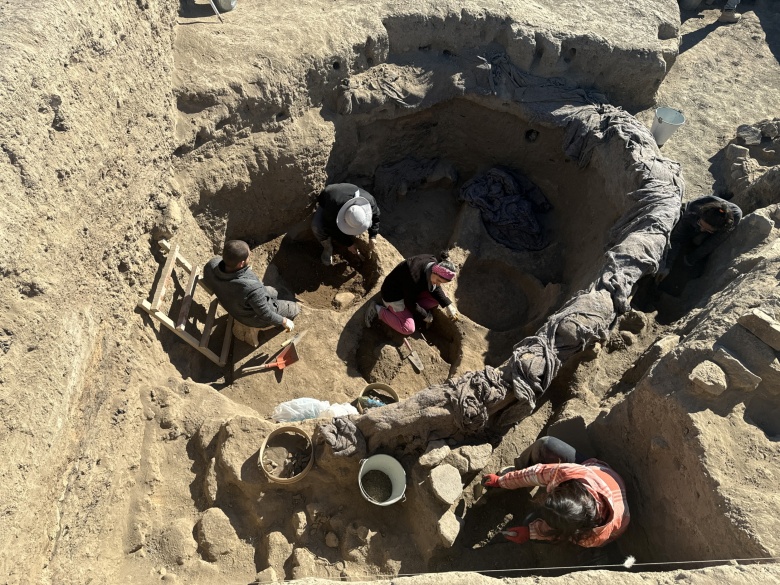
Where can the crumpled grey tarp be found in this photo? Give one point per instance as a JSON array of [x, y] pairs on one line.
[[653, 189], [472, 394], [508, 203], [343, 437]]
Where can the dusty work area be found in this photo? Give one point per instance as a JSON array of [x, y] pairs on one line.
[[130, 456]]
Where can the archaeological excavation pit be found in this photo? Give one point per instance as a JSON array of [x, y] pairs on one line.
[[416, 165]]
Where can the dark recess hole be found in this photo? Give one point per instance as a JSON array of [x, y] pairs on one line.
[[570, 54], [531, 135], [336, 65]]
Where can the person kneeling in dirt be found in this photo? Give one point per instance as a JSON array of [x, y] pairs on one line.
[[411, 290], [585, 499], [706, 222], [343, 212], [242, 293]]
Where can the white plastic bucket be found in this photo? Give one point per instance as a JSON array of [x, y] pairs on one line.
[[392, 469], [666, 121]]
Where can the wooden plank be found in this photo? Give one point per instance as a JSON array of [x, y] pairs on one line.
[[180, 260], [204, 340], [165, 320], [159, 292], [186, 302], [226, 341]]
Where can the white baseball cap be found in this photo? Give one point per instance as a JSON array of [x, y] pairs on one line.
[[354, 216]]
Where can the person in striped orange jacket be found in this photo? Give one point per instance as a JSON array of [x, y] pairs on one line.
[[585, 501]]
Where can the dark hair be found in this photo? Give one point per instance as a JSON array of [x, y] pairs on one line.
[[717, 214], [570, 511], [234, 252], [444, 261]]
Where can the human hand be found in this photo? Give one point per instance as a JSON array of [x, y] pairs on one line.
[[490, 480], [288, 324], [354, 250], [661, 274], [452, 312], [518, 534], [428, 318]]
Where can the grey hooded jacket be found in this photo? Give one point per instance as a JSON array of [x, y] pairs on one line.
[[242, 294]]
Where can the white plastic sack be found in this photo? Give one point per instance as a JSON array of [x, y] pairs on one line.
[[337, 410], [299, 409]]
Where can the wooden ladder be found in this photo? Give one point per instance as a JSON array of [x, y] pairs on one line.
[[153, 308]]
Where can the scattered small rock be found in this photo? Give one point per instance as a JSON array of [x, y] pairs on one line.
[[343, 300], [332, 540]]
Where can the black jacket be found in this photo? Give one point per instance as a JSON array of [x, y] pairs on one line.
[[408, 280], [687, 238], [242, 294], [333, 198]]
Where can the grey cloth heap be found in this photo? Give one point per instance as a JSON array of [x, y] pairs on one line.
[[509, 204], [654, 190]]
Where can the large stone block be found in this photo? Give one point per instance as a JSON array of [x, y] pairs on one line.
[[709, 377], [215, 533], [445, 483], [277, 550], [477, 455], [763, 326], [448, 529], [737, 374], [434, 454]]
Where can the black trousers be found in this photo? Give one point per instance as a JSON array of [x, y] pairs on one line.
[[548, 450]]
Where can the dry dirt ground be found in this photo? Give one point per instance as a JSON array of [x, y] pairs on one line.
[[129, 457]]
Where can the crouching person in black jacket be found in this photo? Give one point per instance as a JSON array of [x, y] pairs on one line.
[[411, 291]]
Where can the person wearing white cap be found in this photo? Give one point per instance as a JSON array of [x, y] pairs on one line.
[[343, 212]]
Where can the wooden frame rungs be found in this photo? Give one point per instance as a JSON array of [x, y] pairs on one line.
[[204, 340], [180, 260], [159, 292], [165, 320], [178, 327], [186, 302]]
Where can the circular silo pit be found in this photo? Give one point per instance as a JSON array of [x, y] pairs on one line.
[[492, 294]]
